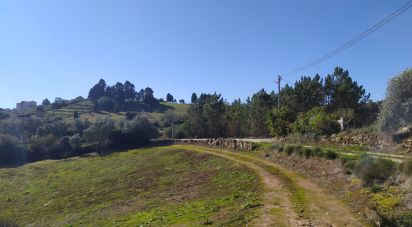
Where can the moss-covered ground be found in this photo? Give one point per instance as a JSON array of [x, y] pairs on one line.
[[162, 186]]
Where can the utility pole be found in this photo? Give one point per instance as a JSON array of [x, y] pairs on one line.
[[279, 78], [173, 125]]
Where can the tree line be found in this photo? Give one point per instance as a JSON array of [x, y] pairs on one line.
[[312, 105], [120, 97]]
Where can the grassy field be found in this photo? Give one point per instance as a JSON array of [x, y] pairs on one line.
[[152, 186], [67, 112]]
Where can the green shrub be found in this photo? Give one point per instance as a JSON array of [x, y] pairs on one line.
[[307, 152], [406, 167], [299, 149], [10, 150], [405, 219], [289, 149], [281, 148], [348, 163], [316, 121], [329, 154], [7, 223], [374, 171], [317, 151]]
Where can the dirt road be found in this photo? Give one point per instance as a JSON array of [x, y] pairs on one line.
[[289, 199]]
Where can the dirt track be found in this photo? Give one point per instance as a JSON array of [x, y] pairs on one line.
[[290, 199]]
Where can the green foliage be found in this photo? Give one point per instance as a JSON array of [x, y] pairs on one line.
[[317, 151], [316, 121], [307, 151], [193, 99], [406, 167], [289, 149], [237, 119], [309, 92], [99, 131], [140, 125], [106, 103], [75, 114], [342, 92], [10, 150], [156, 183], [396, 109], [206, 117], [405, 219], [97, 91], [41, 145], [374, 171], [169, 97], [279, 122], [260, 105], [75, 141], [329, 154], [45, 102]]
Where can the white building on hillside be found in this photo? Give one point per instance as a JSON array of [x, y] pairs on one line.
[[26, 106]]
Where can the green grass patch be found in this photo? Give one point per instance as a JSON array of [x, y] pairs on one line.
[[154, 186]]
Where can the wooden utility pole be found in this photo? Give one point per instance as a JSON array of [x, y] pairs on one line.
[[279, 78], [173, 124]]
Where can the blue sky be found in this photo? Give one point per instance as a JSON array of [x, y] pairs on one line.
[[61, 48]]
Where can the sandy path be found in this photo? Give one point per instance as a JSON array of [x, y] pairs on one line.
[[320, 209]]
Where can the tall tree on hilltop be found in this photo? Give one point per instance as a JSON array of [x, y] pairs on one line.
[[309, 92], [148, 97], [119, 94], [193, 98], [260, 105], [169, 97], [342, 92], [213, 112], [129, 91], [97, 91], [237, 119]]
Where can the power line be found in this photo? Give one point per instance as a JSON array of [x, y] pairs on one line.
[[353, 41], [341, 48]]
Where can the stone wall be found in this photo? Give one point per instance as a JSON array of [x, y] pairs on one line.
[[407, 145], [368, 140], [231, 144]]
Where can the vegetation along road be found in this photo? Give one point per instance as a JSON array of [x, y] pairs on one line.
[[289, 199]]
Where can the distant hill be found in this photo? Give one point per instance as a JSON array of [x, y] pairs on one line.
[[160, 116]]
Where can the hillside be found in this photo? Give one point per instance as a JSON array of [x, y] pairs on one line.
[[161, 116], [157, 186]]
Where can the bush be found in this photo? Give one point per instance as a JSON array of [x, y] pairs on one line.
[[99, 131], [106, 103], [374, 171], [7, 223], [405, 219], [278, 122], [396, 109], [406, 167], [299, 149], [130, 115], [141, 125], [307, 152], [316, 121], [348, 163], [281, 148], [75, 141], [180, 135], [41, 146], [289, 149], [329, 154], [54, 126], [61, 149], [317, 151], [10, 151]]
